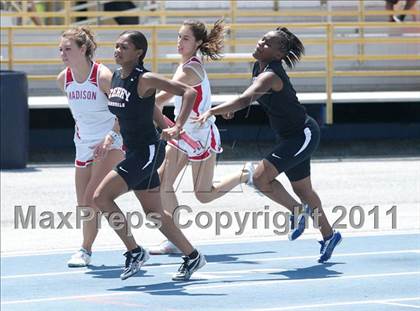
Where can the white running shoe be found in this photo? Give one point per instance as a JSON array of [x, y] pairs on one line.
[[165, 248], [249, 167], [80, 259]]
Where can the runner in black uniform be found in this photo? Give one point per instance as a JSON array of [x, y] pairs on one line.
[[297, 133], [144, 149], [132, 100]]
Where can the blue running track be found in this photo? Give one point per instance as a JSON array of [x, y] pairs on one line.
[[380, 272]]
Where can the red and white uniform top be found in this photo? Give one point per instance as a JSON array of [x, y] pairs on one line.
[[203, 100], [207, 135], [88, 105]]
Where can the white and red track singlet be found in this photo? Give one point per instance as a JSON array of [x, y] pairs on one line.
[[203, 100], [206, 134], [89, 107]]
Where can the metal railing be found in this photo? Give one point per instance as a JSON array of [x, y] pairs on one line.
[[329, 40], [67, 11]]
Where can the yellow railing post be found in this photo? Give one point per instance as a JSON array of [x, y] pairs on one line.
[[330, 72], [10, 48], [154, 49], [25, 10], [163, 10], [275, 5], [233, 13], [67, 9], [98, 8], [361, 29], [361, 11]]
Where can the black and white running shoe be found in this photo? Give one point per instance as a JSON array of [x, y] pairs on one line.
[[188, 267], [133, 262]]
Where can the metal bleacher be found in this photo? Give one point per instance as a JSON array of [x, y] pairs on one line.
[[352, 52]]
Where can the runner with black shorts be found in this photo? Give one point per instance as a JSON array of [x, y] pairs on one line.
[[132, 100], [298, 134]]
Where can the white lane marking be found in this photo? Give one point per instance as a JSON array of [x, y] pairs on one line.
[[231, 274], [401, 305], [238, 284], [58, 298], [236, 240], [81, 271], [289, 281], [338, 304]]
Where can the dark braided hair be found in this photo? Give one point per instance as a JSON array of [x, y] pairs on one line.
[[290, 45]]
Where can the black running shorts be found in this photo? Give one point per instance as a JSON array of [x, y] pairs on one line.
[[292, 155], [139, 168]]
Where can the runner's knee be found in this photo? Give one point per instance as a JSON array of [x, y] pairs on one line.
[[203, 197], [260, 181], [101, 200]]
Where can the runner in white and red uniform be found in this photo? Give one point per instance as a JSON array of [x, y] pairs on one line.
[[89, 107], [207, 135], [86, 85], [193, 39]]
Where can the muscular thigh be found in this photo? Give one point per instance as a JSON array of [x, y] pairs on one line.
[[99, 170], [82, 177], [175, 161], [111, 186], [203, 173]]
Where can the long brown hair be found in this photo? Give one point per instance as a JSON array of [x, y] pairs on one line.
[[212, 45]]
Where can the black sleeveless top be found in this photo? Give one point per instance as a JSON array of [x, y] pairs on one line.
[[135, 113], [286, 115]]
